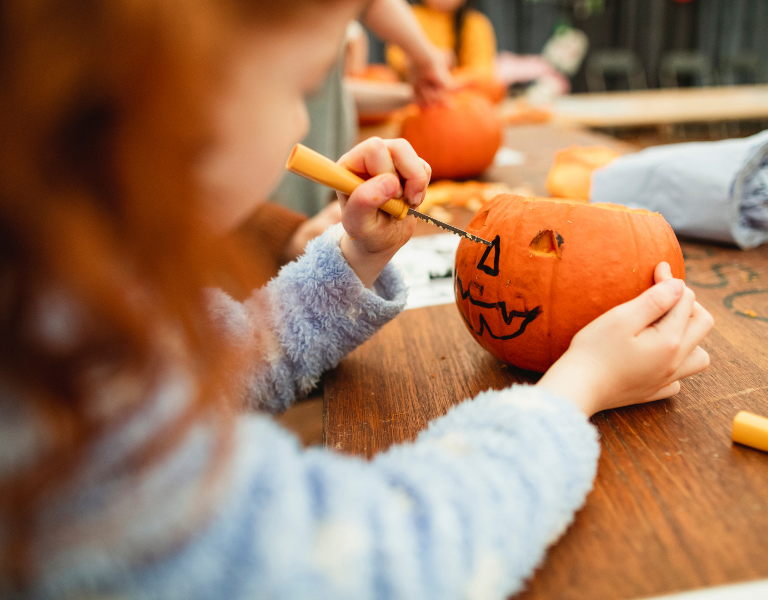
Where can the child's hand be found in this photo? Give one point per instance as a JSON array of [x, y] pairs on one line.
[[636, 352], [372, 236], [431, 78]]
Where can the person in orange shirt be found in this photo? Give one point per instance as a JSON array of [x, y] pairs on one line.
[[465, 35]]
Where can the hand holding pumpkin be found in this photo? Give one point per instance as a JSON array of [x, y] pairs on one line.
[[635, 352], [372, 237]]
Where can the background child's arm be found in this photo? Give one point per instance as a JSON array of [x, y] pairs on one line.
[[413, 54]]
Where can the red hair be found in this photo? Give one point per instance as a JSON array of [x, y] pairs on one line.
[[103, 113]]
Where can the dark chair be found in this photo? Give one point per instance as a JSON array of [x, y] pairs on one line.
[[743, 68], [694, 65], [621, 63], [698, 69]]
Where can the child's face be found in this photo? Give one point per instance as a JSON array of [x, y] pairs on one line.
[[444, 5], [260, 113]]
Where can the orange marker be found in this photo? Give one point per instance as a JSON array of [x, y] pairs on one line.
[[750, 430], [316, 167]]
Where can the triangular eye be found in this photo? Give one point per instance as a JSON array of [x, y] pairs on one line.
[[491, 254]]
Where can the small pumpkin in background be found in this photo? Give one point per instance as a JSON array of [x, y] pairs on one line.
[[555, 265], [571, 174], [458, 138], [486, 85]]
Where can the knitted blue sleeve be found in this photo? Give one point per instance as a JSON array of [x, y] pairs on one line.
[[466, 511], [315, 312]]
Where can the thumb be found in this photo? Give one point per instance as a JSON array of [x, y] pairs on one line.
[[651, 305], [663, 272]]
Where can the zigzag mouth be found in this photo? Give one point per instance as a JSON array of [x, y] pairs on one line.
[[527, 316]]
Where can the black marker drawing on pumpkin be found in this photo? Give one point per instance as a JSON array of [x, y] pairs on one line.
[[494, 247], [527, 315]]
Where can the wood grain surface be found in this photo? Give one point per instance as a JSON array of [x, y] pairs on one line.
[[538, 143], [675, 506]]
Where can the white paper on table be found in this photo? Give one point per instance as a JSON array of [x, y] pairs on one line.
[[426, 263], [508, 157]]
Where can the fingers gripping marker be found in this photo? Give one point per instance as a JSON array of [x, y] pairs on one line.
[[395, 207], [312, 165]]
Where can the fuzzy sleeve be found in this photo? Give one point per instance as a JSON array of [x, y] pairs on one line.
[[467, 511], [305, 321]]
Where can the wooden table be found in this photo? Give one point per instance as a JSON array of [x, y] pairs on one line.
[[539, 144], [675, 505], [665, 106]]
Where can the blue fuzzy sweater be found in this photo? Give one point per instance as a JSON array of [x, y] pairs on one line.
[[466, 511]]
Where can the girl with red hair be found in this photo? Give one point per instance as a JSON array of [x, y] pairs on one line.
[[136, 460]]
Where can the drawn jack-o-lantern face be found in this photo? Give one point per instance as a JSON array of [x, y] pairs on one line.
[[554, 266]]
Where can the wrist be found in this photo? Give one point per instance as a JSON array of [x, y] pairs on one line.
[[573, 382], [422, 60], [425, 57], [366, 265]]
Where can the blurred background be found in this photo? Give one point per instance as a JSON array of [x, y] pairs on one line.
[[585, 100], [717, 41]]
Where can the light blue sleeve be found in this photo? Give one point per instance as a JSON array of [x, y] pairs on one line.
[[466, 511], [315, 312]]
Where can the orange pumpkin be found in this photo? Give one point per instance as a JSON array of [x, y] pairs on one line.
[[487, 85], [571, 173], [458, 138], [554, 266]]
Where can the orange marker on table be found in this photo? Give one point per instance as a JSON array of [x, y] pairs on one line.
[[316, 167], [750, 430]]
